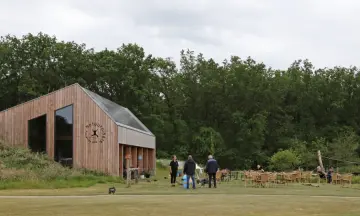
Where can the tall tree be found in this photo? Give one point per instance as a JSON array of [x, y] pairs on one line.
[[240, 110]]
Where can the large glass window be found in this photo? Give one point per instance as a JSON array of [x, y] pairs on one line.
[[64, 135], [37, 134]]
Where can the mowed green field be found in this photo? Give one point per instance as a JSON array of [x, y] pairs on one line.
[[158, 198], [189, 205]]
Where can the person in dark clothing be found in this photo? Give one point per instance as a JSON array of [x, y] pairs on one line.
[[174, 165], [320, 172], [259, 168], [211, 169], [329, 175], [189, 171]]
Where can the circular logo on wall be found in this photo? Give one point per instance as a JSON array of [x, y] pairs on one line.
[[95, 133]]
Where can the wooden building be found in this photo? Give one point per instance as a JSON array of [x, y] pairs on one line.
[[76, 126]]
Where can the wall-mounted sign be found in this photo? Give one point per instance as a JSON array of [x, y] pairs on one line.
[[140, 157], [95, 133]]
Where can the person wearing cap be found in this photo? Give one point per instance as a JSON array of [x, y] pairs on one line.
[[211, 169]]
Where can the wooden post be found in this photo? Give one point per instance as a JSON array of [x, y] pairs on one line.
[[128, 172], [121, 161], [140, 159], [146, 159], [130, 152]]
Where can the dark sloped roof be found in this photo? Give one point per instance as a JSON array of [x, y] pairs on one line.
[[121, 115]]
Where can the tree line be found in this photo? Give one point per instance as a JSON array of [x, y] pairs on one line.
[[239, 110]]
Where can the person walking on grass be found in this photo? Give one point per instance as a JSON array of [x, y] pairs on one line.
[[211, 169], [174, 165], [329, 175], [189, 171]]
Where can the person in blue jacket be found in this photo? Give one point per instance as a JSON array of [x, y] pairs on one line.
[[211, 169]]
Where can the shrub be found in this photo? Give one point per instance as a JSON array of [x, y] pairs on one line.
[[161, 165], [284, 160], [21, 168], [349, 169]]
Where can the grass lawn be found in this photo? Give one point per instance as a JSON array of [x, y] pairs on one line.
[[202, 204], [158, 198], [163, 188]]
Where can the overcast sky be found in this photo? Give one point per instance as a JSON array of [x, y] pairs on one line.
[[276, 32]]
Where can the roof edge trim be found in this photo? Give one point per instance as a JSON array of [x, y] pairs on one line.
[[135, 129]]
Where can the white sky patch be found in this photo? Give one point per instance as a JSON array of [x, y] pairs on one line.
[[275, 32]]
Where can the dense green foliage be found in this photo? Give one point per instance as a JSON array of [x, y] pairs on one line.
[[240, 110], [285, 160], [20, 168]]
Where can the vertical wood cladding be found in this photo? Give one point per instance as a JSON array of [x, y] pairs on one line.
[[100, 154]]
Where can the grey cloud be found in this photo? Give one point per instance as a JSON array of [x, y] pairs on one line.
[[276, 32]]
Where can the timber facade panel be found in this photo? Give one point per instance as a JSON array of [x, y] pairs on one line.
[[102, 152]]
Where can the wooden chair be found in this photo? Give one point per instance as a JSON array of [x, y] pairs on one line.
[[296, 176], [247, 178], [218, 176], [281, 178], [225, 175], [287, 178], [255, 177], [234, 175], [262, 179], [306, 177], [291, 177], [346, 179], [250, 177], [272, 179], [336, 178]]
